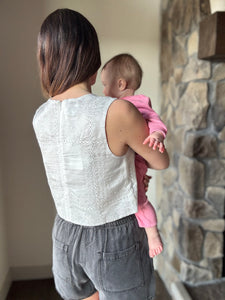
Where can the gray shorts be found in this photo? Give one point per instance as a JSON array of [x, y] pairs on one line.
[[112, 259]]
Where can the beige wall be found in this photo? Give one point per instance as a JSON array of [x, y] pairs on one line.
[[28, 206], [4, 260], [122, 25]]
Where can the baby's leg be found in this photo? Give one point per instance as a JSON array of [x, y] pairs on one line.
[[146, 217], [154, 241]]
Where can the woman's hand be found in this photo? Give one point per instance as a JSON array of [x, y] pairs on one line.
[[146, 180]]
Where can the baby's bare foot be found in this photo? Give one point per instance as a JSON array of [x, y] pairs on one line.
[[154, 241], [155, 251]]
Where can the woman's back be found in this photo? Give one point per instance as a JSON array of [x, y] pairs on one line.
[[90, 185]]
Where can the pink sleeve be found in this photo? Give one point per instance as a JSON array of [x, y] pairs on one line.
[[154, 121], [146, 215]]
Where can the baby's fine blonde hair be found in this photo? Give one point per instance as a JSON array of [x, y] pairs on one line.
[[126, 66]]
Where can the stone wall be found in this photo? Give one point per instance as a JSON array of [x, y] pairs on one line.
[[191, 191]]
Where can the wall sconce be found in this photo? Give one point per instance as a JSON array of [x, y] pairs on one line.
[[212, 33]]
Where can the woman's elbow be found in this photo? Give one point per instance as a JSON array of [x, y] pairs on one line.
[[160, 164], [164, 165]]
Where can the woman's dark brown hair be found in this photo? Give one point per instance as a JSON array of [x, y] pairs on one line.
[[68, 51]]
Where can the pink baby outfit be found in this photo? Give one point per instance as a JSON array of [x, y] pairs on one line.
[[146, 215]]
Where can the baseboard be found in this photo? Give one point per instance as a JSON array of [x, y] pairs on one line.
[[179, 292], [24, 273], [31, 272], [5, 286]]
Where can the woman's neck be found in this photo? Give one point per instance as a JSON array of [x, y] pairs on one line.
[[75, 91]]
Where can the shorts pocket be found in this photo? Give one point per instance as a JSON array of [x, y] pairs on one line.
[[60, 264], [121, 271]]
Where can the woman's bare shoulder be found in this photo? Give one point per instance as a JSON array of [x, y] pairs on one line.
[[123, 109]]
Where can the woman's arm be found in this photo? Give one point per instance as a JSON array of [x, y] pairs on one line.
[[125, 127]]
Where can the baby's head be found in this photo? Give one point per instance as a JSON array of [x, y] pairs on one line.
[[121, 76]]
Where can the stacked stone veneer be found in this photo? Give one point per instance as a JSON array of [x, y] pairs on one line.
[[191, 193]]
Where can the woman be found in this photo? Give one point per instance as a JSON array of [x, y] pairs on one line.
[[88, 145]]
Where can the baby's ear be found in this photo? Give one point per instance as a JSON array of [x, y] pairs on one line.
[[122, 84]]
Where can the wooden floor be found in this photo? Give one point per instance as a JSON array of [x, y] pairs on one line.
[[33, 290], [44, 290]]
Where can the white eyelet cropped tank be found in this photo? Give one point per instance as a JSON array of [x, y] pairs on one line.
[[90, 185]]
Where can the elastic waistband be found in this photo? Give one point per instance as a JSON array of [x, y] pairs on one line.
[[121, 221]]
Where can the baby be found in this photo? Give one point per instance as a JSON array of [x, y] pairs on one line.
[[121, 76]]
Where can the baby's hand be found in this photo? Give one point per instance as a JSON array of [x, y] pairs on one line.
[[155, 140]]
